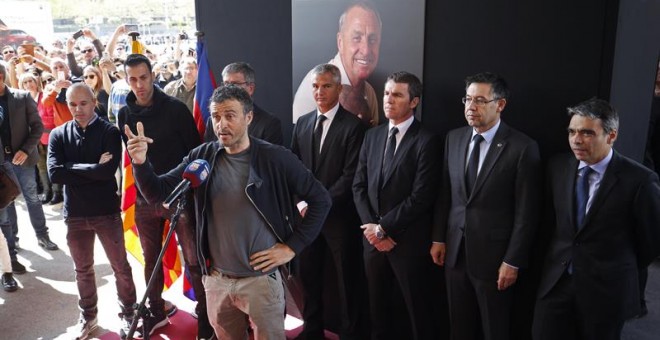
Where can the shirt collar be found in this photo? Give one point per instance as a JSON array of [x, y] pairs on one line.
[[330, 115], [601, 166], [489, 134], [92, 121], [403, 126]]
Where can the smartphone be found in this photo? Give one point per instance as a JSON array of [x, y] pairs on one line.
[[131, 27], [60, 75], [78, 34]]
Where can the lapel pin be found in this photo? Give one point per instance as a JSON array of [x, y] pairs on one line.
[[499, 145]]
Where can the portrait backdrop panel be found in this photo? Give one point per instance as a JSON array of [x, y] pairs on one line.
[[315, 24]]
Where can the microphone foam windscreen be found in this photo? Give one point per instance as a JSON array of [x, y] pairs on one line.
[[197, 172]]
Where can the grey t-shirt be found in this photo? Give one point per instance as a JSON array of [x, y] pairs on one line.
[[236, 228]]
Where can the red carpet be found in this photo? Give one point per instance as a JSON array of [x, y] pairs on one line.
[[184, 327]]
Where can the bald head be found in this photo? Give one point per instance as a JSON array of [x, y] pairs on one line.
[[81, 102], [82, 88]]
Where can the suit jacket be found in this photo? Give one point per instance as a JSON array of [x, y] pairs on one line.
[[25, 123], [338, 159], [498, 219], [619, 234], [402, 199], [263, 126]]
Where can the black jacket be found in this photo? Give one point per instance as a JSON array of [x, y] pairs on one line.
[[276, 175]]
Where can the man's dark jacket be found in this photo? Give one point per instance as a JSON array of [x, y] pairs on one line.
[[276, 175]]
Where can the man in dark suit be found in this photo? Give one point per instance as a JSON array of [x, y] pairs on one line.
[[604, 210], [486, 213], [394, 189], [328, 141], [264, 125], [20, 132]]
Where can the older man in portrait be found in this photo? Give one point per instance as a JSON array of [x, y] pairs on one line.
[[358, 44]]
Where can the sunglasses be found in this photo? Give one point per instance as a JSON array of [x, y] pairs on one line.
[[89, 76], [48, 80], [87, 50], [8, 52]]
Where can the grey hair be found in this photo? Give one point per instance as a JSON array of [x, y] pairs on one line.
[[240, 67], [365, 5], [327, 68], [595, 108]]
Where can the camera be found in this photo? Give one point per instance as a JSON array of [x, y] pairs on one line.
[[78, 34], [183, 36]]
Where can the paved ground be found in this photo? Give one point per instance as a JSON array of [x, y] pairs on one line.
[[46, 303]]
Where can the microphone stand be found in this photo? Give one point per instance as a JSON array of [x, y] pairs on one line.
[[141, 311]]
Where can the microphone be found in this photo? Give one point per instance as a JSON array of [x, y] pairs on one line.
[[195, 174]]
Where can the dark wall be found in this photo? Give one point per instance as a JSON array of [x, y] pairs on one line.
[[550, 52], [257, 32], [633, 76]]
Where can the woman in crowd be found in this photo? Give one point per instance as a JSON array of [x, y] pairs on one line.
[[32, 83], [93, 78]]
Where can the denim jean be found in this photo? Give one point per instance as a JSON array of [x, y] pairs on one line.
[[80, 239], [150, 219], [26, 179]]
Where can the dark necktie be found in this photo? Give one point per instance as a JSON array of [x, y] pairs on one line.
[[316, 140], [390, 147], [582, 195], [473, 164]]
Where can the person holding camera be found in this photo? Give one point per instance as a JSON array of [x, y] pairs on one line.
[[90, 50]]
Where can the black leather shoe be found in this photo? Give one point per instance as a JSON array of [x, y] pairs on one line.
[[46, 243], [17, 267], [8, 282], [57, 198], [170, 308]]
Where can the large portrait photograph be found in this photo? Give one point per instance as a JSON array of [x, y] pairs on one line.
[[366, 40]]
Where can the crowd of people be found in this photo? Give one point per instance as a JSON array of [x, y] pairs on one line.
[[385, 202]]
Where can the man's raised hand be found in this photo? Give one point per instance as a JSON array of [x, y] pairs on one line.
[[137, 145]]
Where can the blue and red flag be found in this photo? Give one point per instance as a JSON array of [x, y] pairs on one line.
[[205, 86]]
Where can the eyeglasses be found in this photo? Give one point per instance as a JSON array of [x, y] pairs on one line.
[[227, 83], [48, 80], [8, 52], [87, 50], [479, 101], [89, 76]]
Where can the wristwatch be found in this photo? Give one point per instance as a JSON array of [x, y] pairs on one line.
[[380, 233]]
